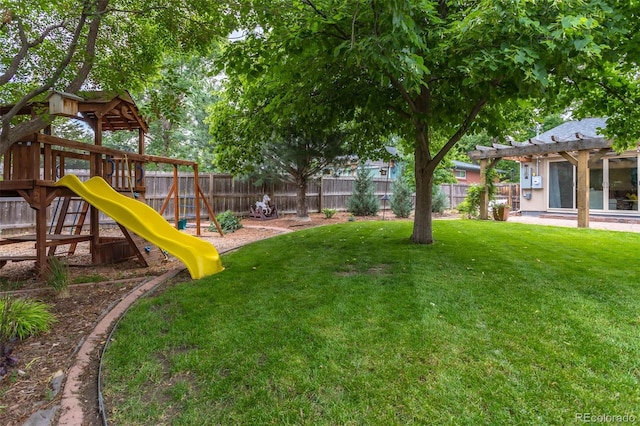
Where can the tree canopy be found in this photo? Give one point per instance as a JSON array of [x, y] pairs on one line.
[[431, 71], [70, 45]]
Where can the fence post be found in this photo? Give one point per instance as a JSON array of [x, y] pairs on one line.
[[320, 194]]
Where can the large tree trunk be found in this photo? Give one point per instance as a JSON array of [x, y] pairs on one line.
[[422, 224], [302, 211]]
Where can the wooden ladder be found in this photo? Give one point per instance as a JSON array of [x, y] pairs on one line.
[[76, 228]]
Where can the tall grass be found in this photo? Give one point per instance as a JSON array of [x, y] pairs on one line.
[[58, 277], [496, 323], [19, 319]]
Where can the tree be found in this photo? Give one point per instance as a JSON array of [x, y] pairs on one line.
[[70, 45], [363, 201], [294, 154], [401, 203], [435, 70], [277, 126], [175, 104]]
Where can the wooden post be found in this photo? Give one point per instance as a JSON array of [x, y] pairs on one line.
[[47, 165], [583, 189], [40, 205], [209, 196], [196, 200], [140, 174], [484, 195], [34, 158], [94, 213], [176, 196]]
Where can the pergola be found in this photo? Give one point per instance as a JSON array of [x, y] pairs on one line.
[[582, 152]]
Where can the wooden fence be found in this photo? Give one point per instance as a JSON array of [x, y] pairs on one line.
[[224, 192], [509, 192]]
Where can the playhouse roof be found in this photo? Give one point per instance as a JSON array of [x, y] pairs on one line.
[[116, 111]]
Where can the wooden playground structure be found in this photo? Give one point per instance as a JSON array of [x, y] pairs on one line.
[[33, 165]]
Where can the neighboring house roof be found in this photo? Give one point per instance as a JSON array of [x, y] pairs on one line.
[[393, 152], [460, 165], [587, 127]]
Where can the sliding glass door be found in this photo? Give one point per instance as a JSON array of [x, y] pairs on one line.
[[623, 183], [561, 185], [596, 186], [613, 185]]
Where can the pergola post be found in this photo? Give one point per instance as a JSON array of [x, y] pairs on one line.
[[484, 194], [583, 189]]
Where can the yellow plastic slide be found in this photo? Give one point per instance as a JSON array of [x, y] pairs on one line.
[[200, 257]]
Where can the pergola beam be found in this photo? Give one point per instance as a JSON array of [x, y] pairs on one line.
[[541, 149], [570, 158]]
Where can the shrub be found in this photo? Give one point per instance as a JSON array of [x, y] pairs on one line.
[[19, 319], [329, 213], [471, 203], [363, 202], [401, 200], [439, 202], [228, 221]]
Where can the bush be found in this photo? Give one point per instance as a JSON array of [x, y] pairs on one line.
[[329, 213], [364, 201], [228, 221], [19, 319], [439, 202], [401, 200], [471, 203]]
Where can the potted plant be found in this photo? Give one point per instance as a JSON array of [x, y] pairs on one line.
[[501, 211]]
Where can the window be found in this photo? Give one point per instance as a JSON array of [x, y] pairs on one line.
[[460, 174]]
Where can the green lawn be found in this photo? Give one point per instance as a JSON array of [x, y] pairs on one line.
[[496, 323]]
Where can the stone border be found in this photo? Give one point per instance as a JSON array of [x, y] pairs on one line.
[[71, 406]]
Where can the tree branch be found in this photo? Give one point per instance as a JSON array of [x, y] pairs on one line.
[[25, 45], [92, 36], [9, 135], [403, 92], [462, 130], [342, 33]]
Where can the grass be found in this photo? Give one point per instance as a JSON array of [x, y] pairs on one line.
[[58, 277], [496, 323]]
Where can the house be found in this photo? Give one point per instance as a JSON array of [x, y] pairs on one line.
[[390, 169], [549, 182], [572, 169], [466, 172]]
